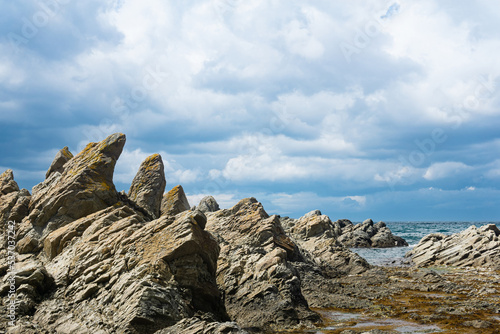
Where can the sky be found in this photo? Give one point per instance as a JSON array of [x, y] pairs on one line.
[[377, 109]]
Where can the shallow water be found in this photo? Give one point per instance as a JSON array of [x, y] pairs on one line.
[[412, 232]]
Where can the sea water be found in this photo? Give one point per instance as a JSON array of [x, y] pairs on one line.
[[412, 232]]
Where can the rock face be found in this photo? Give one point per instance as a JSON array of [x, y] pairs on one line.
[[62, 157], [14, 203], [254, 268], [208, 204], [316, 234], [148, 185], [367, 234], [7, 183], [85, 186], [474, 247], [174, 202]]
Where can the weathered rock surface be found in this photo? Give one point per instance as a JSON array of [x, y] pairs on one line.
[[198, 326], [254, 268], [7, 183], [208, 204], [14, 203], [474, 247], [316, 234], [85, 186], [174, 202], [367, 234], [148, 185], [61, 158]]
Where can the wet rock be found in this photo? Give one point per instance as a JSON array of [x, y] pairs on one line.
[[474, 247], [61, 158], [208, 204], [254, 268], [148, 185], [174, 202]]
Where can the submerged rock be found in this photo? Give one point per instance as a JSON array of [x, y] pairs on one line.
[[148, 185], [473, 247], [174, 202]]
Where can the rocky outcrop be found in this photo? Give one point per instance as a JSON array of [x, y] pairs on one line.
[[199, 326], [208, 204], [254, 268], [474, 247], [367, 234], [174, 202], [148, 185], [62, 157], [7, 183], [85, 186], [316, 234]]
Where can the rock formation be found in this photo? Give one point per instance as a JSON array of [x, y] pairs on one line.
[[254, 268], [208, 204], [62, 157], [474, 247], [148, 185], [174, 202], [367, 234]]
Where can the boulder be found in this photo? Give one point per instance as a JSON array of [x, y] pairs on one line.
[[473, 247], [174, 202], [255, 268], [61, 158], [85, 186], [148, 185], [208, 204]]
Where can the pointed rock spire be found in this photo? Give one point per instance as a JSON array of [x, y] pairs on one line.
[[61, 158], [148, 185], [85, 186], [7, 183], [174, 202]]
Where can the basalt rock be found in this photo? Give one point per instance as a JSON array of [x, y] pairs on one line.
[[174, 202], [148, 185], [474, 247], [62, 157], [254, 268]]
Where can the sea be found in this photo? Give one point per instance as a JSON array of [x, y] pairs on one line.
[[412, 232]]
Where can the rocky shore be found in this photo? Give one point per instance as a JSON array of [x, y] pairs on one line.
[[94, 260]]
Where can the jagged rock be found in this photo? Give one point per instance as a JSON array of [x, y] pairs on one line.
[[14, 206], [7, 183], [316, 234], [174, 202], [473, 247], [84, 187], [198, 326], [148, 185], [367, 234], [61, 158], [254, 268], [208, 204]]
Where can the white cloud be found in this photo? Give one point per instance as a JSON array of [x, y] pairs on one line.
[[447, 169]]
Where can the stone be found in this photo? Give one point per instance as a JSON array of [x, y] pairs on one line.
[[473, 247], [61, 158], [255, 268], [367, 235], [208, 204], [199, 326], [174, 202], [84, 187], [7, 183], [148, 185]]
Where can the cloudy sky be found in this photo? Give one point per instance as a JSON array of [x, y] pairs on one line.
[[363, 109]]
